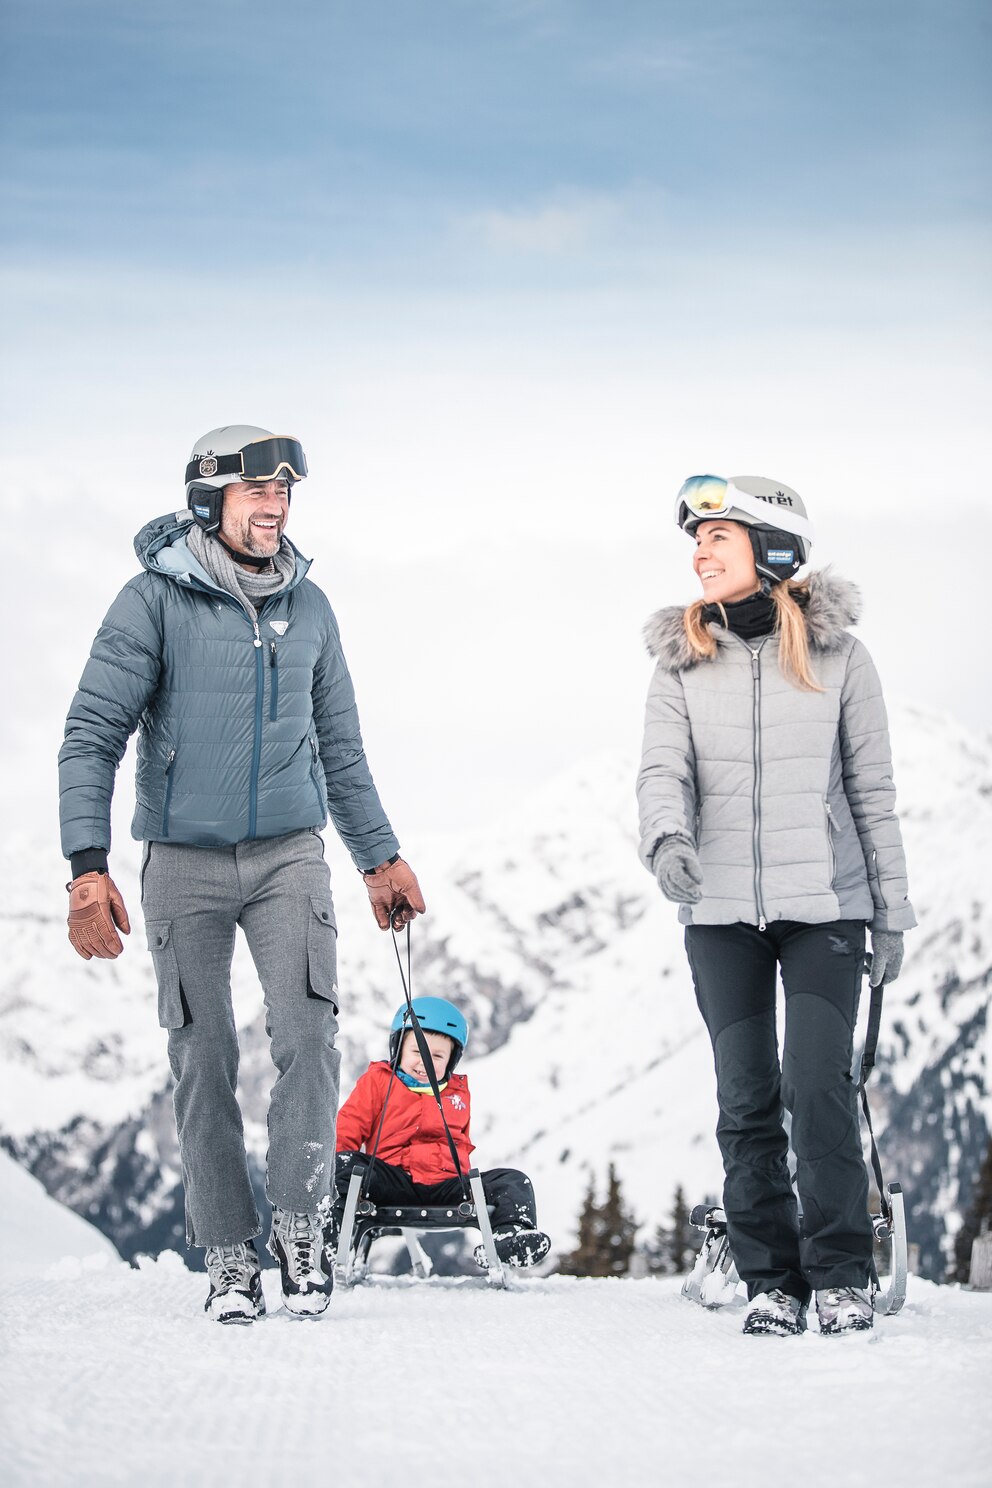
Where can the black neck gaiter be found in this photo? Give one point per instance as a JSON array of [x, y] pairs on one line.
[[748, 618]]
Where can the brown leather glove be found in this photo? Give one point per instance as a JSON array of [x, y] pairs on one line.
[[96, 913], [394, 893]]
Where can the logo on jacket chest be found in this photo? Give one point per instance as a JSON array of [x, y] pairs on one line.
[[279, 626], [457, 1103]]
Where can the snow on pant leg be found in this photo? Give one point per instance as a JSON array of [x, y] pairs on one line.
[[734, 968], [288, 920], [821, 972], [191, 902], [512, 1195]]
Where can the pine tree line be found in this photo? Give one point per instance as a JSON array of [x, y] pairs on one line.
[[607, 1230]]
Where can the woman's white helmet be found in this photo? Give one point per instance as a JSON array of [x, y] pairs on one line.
[[775, 515]]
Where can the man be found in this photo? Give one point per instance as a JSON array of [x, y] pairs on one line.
[[229, 660]]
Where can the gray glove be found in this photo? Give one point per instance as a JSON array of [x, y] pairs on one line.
[[886, 957], [676, 867]]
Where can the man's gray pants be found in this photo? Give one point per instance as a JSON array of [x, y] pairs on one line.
[[193, 898]]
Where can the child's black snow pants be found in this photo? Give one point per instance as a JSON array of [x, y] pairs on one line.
[[734, 968]]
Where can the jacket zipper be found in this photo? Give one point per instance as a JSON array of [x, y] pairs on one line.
[[756, 803], [168, 792], [831, 855], [273, 683], [256, 753]]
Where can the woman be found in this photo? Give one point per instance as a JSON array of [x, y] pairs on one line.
[[767, 813]]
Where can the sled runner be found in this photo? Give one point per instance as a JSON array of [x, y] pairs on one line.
[[364, 1222], [713, 1280]]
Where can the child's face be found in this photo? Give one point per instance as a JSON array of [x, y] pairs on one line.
[[411, 1063]]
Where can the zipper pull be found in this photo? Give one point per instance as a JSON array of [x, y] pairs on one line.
[[754, 663], [762, 923], [272, 653], [168, 763], [257, 642]]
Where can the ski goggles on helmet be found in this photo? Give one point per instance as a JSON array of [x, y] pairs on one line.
[[706, 496], [754, 500], [276, 458]]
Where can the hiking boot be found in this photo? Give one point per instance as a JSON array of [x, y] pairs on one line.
[[235, 1283], [775, 1312], [516, 1247], [844, 1310], [296, 1242]]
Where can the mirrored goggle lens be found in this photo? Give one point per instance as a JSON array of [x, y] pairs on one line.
[[706, 495], [268, 459]]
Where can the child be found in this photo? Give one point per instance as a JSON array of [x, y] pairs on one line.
[[413, 1162]]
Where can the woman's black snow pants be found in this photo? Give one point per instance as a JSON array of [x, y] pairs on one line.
[[734, 968]]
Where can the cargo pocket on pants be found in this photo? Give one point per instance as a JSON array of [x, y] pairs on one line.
[[322, 952], [172, 1012]]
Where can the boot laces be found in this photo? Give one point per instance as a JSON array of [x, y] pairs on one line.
[[300, 1234], [231, 1265]]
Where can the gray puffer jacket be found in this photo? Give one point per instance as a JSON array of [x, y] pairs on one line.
[[787, 795], [246, 729]]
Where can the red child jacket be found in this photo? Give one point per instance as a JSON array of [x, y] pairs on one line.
[[412, 1134]]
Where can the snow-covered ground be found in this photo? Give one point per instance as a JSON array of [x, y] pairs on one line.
[[111, 1375]]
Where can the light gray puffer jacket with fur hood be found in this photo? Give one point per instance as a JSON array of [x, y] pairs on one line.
[[787, 795]]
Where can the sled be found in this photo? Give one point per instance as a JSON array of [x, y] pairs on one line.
[[364, 1221], [891, 1227], [713, 1280]]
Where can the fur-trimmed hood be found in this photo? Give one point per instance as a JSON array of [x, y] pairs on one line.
[[834, 604]]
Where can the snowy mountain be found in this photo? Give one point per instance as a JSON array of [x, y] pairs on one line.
[[586, 1046]]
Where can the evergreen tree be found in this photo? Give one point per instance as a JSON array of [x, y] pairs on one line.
[[671, 1251], [684, 1241], [606, 1234], [981, 1209]]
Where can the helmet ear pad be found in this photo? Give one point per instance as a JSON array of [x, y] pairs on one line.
[[206, 503], [777, 555]]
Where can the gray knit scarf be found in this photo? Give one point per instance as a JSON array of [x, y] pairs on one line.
[[247, 585]]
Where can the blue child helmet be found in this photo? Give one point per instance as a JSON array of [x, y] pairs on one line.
[[435, 1015]]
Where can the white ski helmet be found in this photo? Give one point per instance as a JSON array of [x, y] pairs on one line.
[[774, 514], [237, 452]]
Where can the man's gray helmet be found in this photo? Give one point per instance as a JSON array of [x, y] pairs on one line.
[[774, 514], [237, 452]]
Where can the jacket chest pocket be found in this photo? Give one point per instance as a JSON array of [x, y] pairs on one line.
[[172, 1012], [322, 951]]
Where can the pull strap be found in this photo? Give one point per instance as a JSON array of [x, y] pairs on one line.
[[867, 1065], [425, 1053]]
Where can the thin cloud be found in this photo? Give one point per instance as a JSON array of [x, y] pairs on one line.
[[552, 229]]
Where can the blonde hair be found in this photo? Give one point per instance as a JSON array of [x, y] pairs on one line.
[[790, 627]]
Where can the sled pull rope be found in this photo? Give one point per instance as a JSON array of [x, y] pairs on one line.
[[424, 1054], [867, 1065]]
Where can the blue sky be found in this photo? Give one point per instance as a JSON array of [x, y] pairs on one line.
[[356, 136], [511, 271]]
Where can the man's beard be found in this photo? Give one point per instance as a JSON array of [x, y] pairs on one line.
[[258, 544]]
